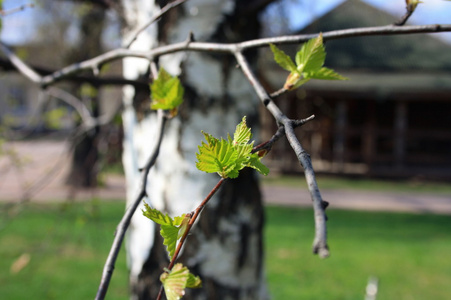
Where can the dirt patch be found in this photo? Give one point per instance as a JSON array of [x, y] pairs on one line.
[[38, 169]]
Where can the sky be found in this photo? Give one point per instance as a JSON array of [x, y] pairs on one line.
[[19, 22], [429, 12]]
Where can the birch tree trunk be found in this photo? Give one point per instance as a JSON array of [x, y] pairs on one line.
[[226, 247]]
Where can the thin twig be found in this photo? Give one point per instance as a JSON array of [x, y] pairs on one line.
[[232, 48], [125, 221], [32, 75], [155, 18], [16, 9], [192, 220], [20, 65], [320, 241], [73, 101], [278, 93], [410, 8], [7, 66], [404, 18], [266, 146]]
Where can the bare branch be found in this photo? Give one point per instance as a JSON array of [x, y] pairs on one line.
[[233, 48], [320, 241], [116, 54], [16, 9], [261, 92], [6, 65], [266, 146], [70, 99], [346, 33], [125, 221], [73, 101], [279, 92], [92, 64], [20, 65], [410, 8], [404, 18], [88, 121]]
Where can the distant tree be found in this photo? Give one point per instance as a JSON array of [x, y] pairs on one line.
[[85, 164]]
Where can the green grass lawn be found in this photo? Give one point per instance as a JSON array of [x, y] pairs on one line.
[[331, 182], [68, 246], [410, 254]]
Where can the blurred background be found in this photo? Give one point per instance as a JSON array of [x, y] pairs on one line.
[[380, 143]]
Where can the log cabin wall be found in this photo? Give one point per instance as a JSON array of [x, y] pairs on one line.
[[390, 119]]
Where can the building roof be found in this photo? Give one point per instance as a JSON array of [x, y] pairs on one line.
[[399, 62], [399, 52]]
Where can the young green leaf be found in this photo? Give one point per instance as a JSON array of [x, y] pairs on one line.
[[170, 227], [216, 156], [170, 235], [326, 74], [255, 163], [309, 64], [228, 157], [160, 218], [242, 133], [193, 282], [294, 80], [282, 59], [184, 226], [176, 280], [167, 92], [312, 55]]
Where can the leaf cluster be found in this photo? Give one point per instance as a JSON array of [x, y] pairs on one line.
[[172, 229], [309, 64], [176, 280], [228, 157], [167, 92]]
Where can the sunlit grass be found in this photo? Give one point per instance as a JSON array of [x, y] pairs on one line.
[[330, 182], [68, 246], [408, 253]]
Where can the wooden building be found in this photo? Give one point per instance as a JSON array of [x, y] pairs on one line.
[[392, 118]]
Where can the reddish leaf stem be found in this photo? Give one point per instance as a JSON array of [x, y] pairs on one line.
[[192, 220]]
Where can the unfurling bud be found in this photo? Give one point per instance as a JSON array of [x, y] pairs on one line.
[[412, 4]]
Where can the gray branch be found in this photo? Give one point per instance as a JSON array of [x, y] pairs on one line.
[[233, 48], [15, 9], [125, 221], [20, 65], [320, 241]]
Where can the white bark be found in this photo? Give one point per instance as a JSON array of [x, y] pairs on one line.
[[141, 232], [175, 185]]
